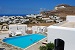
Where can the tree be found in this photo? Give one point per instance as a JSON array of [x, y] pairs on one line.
[[43, 48], [49, 46]]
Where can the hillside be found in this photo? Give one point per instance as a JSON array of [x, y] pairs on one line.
[[61, 10]]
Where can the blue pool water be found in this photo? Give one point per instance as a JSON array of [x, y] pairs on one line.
[[24, 41]]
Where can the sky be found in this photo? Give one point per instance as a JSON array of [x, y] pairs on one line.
[[30, 6]]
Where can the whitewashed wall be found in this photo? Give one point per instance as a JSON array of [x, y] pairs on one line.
[[66, 34], [70, 18], [34, 29], [14, 28], [39, 29], [22, 28]]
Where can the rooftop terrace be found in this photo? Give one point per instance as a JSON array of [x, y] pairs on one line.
[[69, 24]]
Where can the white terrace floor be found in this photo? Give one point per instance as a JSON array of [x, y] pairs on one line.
[[69, 24]]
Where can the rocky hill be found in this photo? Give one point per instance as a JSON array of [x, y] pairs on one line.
[[61, 10]]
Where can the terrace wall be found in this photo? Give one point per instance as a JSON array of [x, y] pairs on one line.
[[66, 34], [70, 18]]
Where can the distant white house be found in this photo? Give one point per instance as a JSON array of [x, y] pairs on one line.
[[54, 17], [3, 19], [15, 29], [34, 15], [24, 20], [64, 31], [10, 22], [45, 18], [20, 16], [56, 8], [50, 20], [12, 17]]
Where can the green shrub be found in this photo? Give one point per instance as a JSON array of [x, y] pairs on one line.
[[49, 46], [43, 48]]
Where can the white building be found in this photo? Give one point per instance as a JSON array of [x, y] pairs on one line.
[[39, 29], [34, 15], [4, 19], [24, 20], [64, 31], [45, 18], [12, 17], [15, 29]]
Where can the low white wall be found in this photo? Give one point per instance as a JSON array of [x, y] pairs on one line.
[[38, 29], [14, 28], [66, 34], [34, 29], [70, 18]]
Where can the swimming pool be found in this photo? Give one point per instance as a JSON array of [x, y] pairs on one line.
[[24, 41]]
